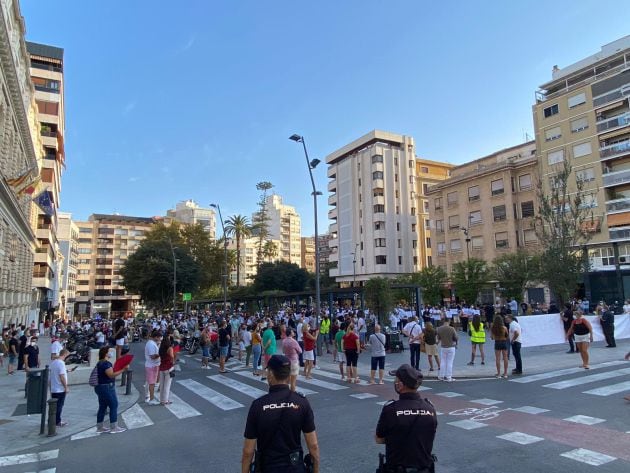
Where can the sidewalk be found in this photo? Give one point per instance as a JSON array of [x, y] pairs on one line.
[[20, 431], [535, 359]]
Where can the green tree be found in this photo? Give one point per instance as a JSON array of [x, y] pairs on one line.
[[269, 251], [515, 271], [564, 223], [239, 227], [260, 220], [431, 279], [378, 297], [468, 277], [280, 276]]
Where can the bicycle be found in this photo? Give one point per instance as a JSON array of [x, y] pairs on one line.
[[479, 414]]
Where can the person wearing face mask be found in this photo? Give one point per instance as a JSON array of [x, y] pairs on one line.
[[31, 355], [106, 392], [407, 427]]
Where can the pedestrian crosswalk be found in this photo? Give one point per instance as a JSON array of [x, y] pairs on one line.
[[580, 378]]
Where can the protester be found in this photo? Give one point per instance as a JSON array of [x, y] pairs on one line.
[[59, 383], [413, 330], [167, 358], [291, 350], [269, 345], [447, 338], [515, 341], [583, 331], [256, 349], [225, 336], [567, 321], [499, 334], [429, 337], [352, 348], [152, 366], [340, 356], [477, 339], [106, 392], [309, 349], [377, 347]]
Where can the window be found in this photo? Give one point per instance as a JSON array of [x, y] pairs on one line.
[[412, 179], [85, 229], [424, 170], [49, 108], [497, 187], [451, 198], [377, 158], [582, 149], [441, 249], [395, 177], [439, 226], [501, 240], [85, 251], [413, 225], [585, 175], [453, 221], [498, 213], [525, 182], [437, 203], [477, 242], [579, 124], [379, 208], [398, 210], [396, 193], [397, 226], [425, 188], [553, 133], [555, 157], [550, 111], [456, 245], [413, 210], [379, 242], [474, 218], [529, 237], [379, 225], [589, 201], [399, 243], [576, 100], [400, 260], [414, 243], [473, 193], [527, 209], [378, 192], [410, 164], [377, 175], [425, 204], [428, 242], [555, 182], [381, 259], [602, 256]]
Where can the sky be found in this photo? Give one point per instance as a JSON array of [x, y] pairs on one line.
[[196, 99]]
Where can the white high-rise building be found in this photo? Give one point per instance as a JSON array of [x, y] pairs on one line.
[[284, 225], [190, 213], [68, 234]]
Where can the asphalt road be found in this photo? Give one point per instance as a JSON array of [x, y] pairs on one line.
[[522, 424]]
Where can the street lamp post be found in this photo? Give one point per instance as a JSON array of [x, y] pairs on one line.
[[225, 258], [173, 248], [465, 230], [354, 265], [312, 165]]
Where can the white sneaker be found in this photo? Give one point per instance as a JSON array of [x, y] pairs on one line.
[[153, 402], [118, 430]]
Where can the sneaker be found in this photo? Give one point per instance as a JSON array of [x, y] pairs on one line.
[[102, 430], [471, 364], [498, 376], [483, 362], [505, 376], [449, 380], [62, 424], [153, 402], [118, 430]]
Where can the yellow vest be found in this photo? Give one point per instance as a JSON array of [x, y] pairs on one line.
[[324, 326], [477, 336]]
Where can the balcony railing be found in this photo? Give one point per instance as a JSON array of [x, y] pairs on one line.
[[43, 88], [49, 133], [619, 233], [615, 122], [616, 177], [610, 151], [618, 205], [613, 96]]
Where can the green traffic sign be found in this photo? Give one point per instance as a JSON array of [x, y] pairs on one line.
[[187, 296]]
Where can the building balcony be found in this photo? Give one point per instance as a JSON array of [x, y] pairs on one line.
[[613, 123], [377, 167], [332, 214], [619, 233], [44, 232], [332, 186], [46, 257], [333, 243], [615, 178], [614, 96], [380, 199], [618, 205], [615, 150], [378, 184], [332, 172], [332, 200], [332, 228]]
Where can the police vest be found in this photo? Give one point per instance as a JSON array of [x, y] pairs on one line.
[[477, 336], [324, 326]]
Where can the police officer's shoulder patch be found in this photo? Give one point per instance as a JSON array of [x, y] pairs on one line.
[[300, 394]]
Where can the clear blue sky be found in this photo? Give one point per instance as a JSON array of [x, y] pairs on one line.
[[167, 101]]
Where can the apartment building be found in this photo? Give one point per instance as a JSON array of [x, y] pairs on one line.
[[486, 209], [68, 234], [285, 226], [105, 242], [46, 69], [307, 260], [18, 167], [377, 207], [249, 257], [582, 115], [190, 213]]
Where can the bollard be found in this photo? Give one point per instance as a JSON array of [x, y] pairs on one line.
[[123, 379], [43, 400], [52, 417], [128, 384]]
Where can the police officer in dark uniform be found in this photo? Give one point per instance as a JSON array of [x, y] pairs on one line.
[[274, 424], [607, 320], [407, 427]]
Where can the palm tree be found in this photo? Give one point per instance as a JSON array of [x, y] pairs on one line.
[[270, 250], [239, 227]]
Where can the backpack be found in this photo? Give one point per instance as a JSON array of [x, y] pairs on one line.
[[93, 381]]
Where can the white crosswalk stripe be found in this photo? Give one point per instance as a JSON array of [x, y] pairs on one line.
[[48, 470], [587, 379], [564, 372], [181, 409], [222, 402], [322, 384], [246, 389], [248, 375], [135, 417], [29, 458], [611, 389]]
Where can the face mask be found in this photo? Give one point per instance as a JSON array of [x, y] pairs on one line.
[[396, 388]]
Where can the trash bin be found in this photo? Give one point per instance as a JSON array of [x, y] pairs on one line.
[[35, 390]]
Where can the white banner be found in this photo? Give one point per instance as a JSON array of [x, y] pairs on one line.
[[548, 329]]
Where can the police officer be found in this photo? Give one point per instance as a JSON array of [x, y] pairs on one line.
[[407, 427], [274, 424], [607, 320]]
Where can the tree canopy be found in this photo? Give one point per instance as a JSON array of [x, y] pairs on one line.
[[468, 277], [515, 271], [378, 296], [280, 275]]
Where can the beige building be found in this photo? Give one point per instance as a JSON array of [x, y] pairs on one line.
[[307, 260], [46, 69], [249, 257], [284, 226], [190, 213], [18, 168], [378, 208], [68, 234], [582, 116], [486, 208], [105, 242]]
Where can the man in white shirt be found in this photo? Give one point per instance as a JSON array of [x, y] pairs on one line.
[[59, 383], [515, 341], [55, 348], [152, 365], [413, 330]]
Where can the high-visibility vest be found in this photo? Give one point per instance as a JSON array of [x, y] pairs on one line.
[[324, 326], [477, 336]]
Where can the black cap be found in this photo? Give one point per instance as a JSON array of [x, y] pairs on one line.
[[408, 375], [277, 362]]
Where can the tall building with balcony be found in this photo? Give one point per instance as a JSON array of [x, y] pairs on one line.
[[68, 234], [583, 116], [190, 213], [284, 225], [18, 168], [308, 254], [46, 68], [105, 243], [486, 209], [378, 207]]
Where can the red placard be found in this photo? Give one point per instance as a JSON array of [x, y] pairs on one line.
[[123, 361]]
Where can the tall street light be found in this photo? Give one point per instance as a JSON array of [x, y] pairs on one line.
[[354, 265], [173, 248], [225, 258], [465, 230], [312, 165]]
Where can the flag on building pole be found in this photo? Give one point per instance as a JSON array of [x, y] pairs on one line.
[[44, 202], [24, 182]]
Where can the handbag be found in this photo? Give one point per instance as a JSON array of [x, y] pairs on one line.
[[93, 381]]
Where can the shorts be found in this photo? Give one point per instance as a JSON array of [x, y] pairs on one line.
[[120, 342], [309, 355], [223, 351], [478, 343], [378, 361], [583, 338], [12, 359], [431, 349], [205, 351], [151, 373], [353, 357], [341, 357], [295, 368], [500, 345]]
